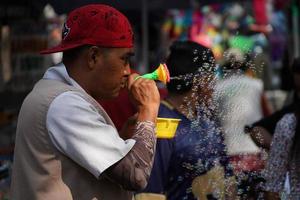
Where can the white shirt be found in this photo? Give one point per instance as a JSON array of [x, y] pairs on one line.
[[78, 131], [239, 100]]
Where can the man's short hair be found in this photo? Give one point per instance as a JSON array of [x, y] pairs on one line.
[[186, 59]]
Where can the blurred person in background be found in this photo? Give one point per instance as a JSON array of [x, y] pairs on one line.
[[282, 172], [66, 146], [185, 165], [239, 98], [262, 131]]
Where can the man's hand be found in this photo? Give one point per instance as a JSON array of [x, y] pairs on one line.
[[145, 96], [261, 137]]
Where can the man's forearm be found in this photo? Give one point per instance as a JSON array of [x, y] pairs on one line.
[[261, 137], [133, 171]]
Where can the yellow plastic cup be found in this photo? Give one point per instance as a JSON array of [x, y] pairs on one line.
[[166, 127]]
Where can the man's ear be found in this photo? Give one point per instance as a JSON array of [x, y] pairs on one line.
[[94, 55]]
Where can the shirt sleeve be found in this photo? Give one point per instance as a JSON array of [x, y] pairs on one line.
[[277, 164], [133, 171], [81, 133]]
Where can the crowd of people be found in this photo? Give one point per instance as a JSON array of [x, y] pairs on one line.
[[87, 129]]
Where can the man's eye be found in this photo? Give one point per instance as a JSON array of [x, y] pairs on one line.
[[126, 60]]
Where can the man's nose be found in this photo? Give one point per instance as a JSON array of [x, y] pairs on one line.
[[127, 70]]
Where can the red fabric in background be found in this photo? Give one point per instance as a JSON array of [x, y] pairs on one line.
[[260, 12], [120, 109], [247, 162]]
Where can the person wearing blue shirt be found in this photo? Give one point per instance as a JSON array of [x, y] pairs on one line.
[[182, 163]]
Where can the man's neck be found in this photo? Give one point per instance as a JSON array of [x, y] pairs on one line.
[[75, 73], [183, 104]]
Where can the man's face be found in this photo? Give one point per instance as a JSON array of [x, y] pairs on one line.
[[111, 73]]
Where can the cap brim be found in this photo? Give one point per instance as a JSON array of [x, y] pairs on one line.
[[59, 48]]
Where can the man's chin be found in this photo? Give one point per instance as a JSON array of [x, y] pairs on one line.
[[112, 95], [115, 95]]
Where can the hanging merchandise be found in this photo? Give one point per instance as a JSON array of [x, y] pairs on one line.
[[203, 39], [260, 12], [174, 23], [195, 24], [278, 37], [244, 43], [230, 25]]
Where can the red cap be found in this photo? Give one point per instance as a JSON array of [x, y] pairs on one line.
[[95, 24]]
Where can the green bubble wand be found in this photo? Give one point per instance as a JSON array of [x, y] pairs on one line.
[[161, 74]]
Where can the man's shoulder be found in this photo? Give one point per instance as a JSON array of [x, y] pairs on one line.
[[70, 99], [54, 85], [45, 91]]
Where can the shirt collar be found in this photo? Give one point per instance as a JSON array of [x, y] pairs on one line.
[[60, 73]]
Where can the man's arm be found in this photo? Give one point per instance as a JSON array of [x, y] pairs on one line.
[[133, 171], [261, 137], [277, 165]]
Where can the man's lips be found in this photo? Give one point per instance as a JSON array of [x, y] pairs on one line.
[[124, 83]]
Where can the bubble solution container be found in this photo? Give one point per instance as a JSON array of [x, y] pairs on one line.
[[166, 127]]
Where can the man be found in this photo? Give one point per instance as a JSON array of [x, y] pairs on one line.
[[66, 146]]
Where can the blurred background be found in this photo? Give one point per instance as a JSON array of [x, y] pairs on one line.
[[266, 30]]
